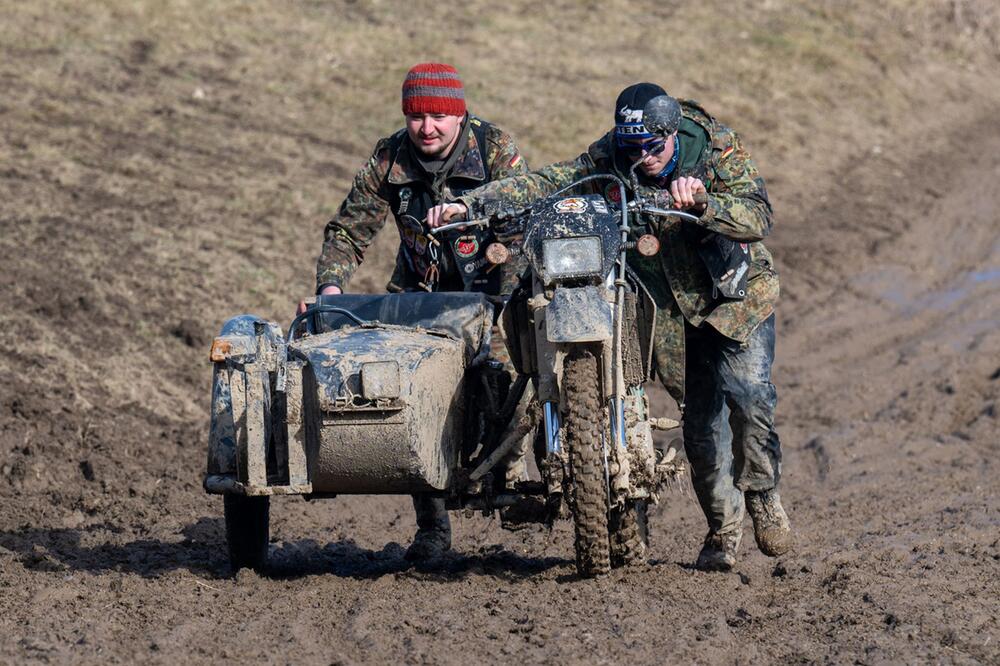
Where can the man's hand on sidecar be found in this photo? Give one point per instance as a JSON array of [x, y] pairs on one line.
[[328, 289]]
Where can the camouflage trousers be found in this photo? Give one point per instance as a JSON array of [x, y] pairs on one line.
[[729, 434]]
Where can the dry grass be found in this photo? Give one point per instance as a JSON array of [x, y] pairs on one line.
[[175, 162]]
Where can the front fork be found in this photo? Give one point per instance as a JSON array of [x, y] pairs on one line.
[[550, 357], [624, 412]]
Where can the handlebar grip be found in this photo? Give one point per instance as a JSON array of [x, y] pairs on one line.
[[701, 197]]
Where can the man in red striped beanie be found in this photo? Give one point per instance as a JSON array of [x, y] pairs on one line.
[[442, 153], [434, 106]]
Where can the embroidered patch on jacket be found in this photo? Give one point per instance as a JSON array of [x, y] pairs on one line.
[[466, 246], [515, 161], [727, 152]]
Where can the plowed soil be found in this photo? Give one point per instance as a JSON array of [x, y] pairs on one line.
[[164, 166]]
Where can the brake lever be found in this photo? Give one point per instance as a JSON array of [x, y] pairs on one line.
[[457, 225], [642, 207], [663, 212]]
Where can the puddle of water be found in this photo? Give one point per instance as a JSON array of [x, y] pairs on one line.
[[986, 276], [900, 287]]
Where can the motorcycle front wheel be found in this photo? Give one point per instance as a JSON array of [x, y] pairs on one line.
[[583, 427]]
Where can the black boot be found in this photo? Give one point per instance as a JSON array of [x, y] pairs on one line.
[[433, 537]]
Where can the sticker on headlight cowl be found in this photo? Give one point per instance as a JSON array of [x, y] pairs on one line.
[[571, 205], [599, 206]]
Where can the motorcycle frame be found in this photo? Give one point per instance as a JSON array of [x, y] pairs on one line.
[[550, 356]]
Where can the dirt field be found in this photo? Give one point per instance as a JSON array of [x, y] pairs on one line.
[[163, 166]]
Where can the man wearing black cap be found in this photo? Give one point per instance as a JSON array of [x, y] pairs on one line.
[[715, 287]]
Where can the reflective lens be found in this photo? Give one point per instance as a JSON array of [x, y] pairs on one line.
[[650, 147], [572, 257]]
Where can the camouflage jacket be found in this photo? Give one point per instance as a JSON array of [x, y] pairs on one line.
[[738, 208], [382, 188]]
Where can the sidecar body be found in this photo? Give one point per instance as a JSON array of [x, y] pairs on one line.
[[371, 400]]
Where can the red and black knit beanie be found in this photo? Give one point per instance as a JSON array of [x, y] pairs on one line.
[[433, 87]]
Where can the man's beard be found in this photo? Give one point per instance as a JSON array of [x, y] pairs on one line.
[[436, 152]]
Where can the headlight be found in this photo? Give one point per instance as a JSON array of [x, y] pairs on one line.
[[572, 257]]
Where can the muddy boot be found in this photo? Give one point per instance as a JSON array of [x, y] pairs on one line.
[[771, 528], [433, 537], [720, 551]]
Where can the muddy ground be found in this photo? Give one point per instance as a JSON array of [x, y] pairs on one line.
[[163, 166]]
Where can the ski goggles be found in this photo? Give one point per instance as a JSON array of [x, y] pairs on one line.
[[634, 148]]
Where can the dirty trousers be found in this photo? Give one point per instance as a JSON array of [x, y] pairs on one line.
[[729, 434]]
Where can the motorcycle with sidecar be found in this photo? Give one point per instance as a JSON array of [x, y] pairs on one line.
[[398, 393]]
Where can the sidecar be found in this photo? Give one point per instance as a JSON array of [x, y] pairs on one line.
[[371, 400]]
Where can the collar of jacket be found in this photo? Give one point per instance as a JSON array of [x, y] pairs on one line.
[[406, 168]]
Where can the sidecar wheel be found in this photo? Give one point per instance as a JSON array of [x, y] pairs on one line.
[[247, 530], [583, 425]]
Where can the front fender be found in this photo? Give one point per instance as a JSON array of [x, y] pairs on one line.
[[579, 314]]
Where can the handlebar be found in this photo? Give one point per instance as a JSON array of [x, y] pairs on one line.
[[319, 309], [633, 206]]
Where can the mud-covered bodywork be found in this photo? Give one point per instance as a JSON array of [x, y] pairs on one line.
[[249, 346], [376, 424], [370, 407]]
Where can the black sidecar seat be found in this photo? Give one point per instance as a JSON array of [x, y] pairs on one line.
[[465, 316]]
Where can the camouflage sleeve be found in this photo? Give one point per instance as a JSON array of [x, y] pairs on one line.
[[523, 189], [503, 159], [361, 216], [738, 206]]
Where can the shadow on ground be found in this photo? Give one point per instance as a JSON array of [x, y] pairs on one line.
[[348, 560], [202, 551]]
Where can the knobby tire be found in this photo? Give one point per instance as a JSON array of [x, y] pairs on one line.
[[583, 425]]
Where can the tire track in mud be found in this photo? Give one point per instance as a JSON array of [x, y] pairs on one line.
[[904, 488]]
